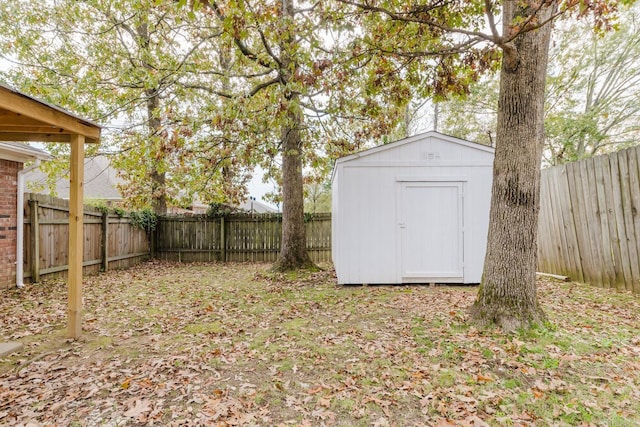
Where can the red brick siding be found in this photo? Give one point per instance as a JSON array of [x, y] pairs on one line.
[[8, 199]]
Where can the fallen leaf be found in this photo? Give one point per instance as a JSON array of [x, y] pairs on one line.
[[325, 401], [139, 408], [381, 422], [475, 421], [482, 379], [315, 390]]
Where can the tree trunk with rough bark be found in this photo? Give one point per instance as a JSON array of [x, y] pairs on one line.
[[507, 296], [158, 197], [158, 178], [293, 251]]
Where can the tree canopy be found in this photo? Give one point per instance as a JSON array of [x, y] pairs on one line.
[[131, 65], [591, 104]]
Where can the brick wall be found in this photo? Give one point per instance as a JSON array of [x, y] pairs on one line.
[[8, 199]]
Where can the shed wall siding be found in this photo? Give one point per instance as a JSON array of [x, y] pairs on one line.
[[8, 230]]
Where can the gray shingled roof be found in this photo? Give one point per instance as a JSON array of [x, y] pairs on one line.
[[100, 180], [21, 151], [101, 183], [256, 206]]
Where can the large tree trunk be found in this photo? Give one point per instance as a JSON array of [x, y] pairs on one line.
[[293, 251], [227, 171], [158, 195], [507, 295], [158, 177]]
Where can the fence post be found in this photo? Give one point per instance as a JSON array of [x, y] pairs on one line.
[[35, 241], [105, 240], [223, 241], [153, 240]]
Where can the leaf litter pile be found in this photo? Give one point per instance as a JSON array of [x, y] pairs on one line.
[[232, 344]]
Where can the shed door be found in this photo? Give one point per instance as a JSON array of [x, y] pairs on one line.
[[431, 231]]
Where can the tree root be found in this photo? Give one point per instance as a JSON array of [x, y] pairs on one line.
[[283, 265], [505, 319]]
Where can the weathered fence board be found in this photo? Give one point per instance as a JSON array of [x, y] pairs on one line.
[[47, 233], [235, 237], [610, 178], [626, 222], [589, 226], [588, 180], [634, 186], [581, 246], [579, 217]]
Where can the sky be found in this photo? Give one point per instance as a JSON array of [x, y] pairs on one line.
[[258, 189]]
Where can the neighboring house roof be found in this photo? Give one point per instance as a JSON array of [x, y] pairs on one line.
[[100, 181], [21, 152], [256, 206]]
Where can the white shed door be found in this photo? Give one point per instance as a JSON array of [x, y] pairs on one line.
[[431, 231]]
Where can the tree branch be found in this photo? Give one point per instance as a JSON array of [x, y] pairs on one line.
[[263, 85], [488, 6], [409, 17], [239, 43], [209, 89]]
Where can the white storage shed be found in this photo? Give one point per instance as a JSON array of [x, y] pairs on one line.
[[412, 211]]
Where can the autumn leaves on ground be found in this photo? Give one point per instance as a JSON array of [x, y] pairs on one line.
[[214, 344]]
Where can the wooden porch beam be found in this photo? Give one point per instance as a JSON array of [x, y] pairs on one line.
[[14, 119], [40, 137], [41, 128]]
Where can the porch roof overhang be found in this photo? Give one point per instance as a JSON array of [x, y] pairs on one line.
[[23, 118]]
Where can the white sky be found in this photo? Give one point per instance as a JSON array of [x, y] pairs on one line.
[[258, 189]]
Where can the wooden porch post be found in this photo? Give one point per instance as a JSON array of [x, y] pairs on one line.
[[76, 214]]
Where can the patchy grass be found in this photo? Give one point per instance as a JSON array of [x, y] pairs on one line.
[[232, 344]]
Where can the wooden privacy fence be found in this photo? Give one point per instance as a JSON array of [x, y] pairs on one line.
[[110, 241], [113, 241], [589, 222], [238, 237]]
